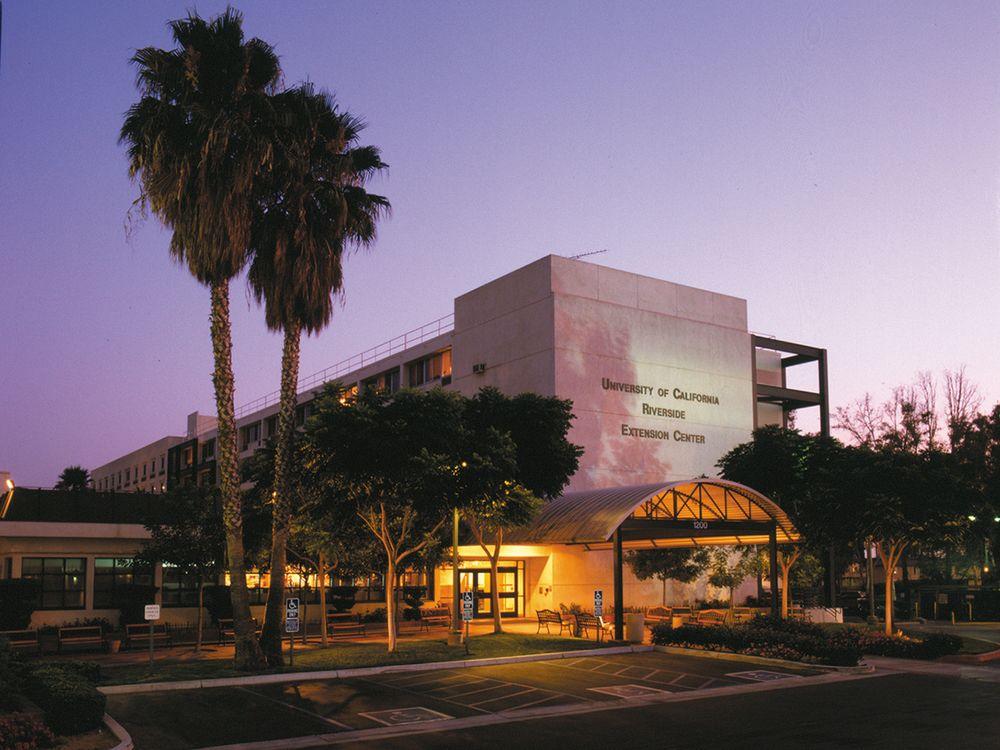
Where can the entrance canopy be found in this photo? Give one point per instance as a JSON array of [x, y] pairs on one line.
[[689, 513]]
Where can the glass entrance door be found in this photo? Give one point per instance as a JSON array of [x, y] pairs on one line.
[[480, 582]]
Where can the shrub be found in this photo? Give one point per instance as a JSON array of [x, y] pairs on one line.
[[71, 702], [88, 670], [21, 731], [218, 603], [18, 599], [930, 646], [376, 615], [342, 597]]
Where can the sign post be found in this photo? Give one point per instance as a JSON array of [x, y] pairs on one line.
[[151, 613], [291, 625], [467, 605], [598, 603]]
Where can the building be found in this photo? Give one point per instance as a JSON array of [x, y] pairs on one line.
[[664, 379]]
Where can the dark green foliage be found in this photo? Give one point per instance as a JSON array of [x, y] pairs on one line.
[[22, 731], [218, 603], [74, 479], [930, 646], [683, 565], [375, 615], [342, 597], [132, 599], [88, 670], [18, 598], [70, 701], [762, 636]]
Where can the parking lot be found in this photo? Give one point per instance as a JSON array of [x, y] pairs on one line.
[[203, 718]]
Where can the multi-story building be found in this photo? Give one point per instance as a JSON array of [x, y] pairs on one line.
[[664, 379]]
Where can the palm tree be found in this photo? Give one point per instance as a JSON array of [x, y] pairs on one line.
[[196, 143], [74, 478], [316, 208]]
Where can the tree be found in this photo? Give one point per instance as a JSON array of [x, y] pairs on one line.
[[728, 568], [680, 564], [962, 404], [316, 207], [74, 479], [394, 461], [198, 141], [187, 532], [518, 456]]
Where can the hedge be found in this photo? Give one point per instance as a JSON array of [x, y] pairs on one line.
[[18, 599], [22, 731], [70, 701], [802, 641]]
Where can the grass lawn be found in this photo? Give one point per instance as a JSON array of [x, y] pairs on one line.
[[349, 655]]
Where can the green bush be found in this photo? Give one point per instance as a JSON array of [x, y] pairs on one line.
[[21, 731], [218, 603], [930, 646], [342, 598], [88, 670], [18, 599], [376, 615], [70, 701], [763, 636]]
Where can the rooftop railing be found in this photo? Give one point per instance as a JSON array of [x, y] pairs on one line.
[[368, 357]]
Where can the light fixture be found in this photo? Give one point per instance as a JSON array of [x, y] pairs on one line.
[[972, 518]]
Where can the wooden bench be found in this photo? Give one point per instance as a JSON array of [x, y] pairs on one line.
[[344, 625], [549, 617], [586, 622], [435, 617], [226, 630], [138, 634], [710, 617], [87, 635], [657, 615], [26, 640]]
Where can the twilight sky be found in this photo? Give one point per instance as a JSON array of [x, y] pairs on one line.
[[835, 164]]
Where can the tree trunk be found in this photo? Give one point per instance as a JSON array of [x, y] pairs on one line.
[[322, 598], [282, 501], [495, 593], [248, 656], [888, 603], [201, 613], [664, 597], [390, 606]]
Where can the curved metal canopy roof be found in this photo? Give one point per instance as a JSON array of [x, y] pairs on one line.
[[692, 512]]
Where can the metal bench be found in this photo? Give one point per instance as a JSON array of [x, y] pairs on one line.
[[22, 640], [549, 617], [344, 625], [585, 622], [434, 617], [87, 635], [138, 634]]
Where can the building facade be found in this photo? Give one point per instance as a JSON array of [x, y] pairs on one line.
[[664, 379]]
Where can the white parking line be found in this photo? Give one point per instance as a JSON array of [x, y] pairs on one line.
[[505, 697], [331, 722]]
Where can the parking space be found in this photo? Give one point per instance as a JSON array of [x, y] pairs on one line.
[[400, 698]]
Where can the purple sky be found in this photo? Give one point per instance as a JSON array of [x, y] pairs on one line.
[[835, 164]]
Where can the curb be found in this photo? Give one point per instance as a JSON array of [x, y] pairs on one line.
[[731, 656], [338, 674], [124, 738]]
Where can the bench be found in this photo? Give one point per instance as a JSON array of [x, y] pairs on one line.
[[657, 615], [86, 635], [344, 625], [26, 640], [226, 630], [434, 617], [549, 617], [586, 622], [138, 634], [797, 613], [710, 617]]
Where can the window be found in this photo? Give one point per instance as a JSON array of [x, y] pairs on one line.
[[119, 479], [430, 368], [61, 580], [249, 435], [208, 450], [179, 589], [386, 382], [162, 461], [144, 472], [111, 575], [188, 459]]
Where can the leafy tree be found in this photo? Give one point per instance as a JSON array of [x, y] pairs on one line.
[[198, 141], [187, 532], [680, 564], [316, 208], [728, 568], [396, 463], [518, 455], [74, 479]]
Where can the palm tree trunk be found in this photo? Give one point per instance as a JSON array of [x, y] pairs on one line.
[[248, 656], [281, 510]]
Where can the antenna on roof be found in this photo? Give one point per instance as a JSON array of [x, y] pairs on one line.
[[589, 252]]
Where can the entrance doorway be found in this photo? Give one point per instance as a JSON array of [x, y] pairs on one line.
[[480, 582]]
